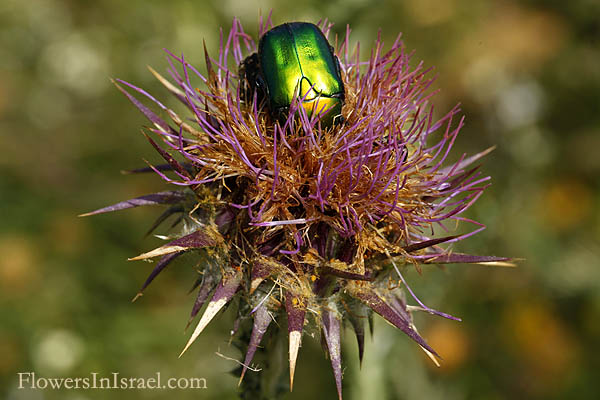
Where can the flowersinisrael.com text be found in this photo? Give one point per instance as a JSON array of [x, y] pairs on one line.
[[29, 380]]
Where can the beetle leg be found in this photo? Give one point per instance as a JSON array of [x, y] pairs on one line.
[[338, 67], [261, 88], [248, 71]]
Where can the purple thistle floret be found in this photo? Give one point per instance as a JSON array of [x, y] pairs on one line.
[[328, 216]]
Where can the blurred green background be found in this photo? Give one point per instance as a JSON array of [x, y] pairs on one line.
[[528, 76]]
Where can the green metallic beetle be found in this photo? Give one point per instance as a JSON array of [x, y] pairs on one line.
[[294, 59]]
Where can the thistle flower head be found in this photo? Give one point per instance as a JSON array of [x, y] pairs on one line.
[[302, 221]]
